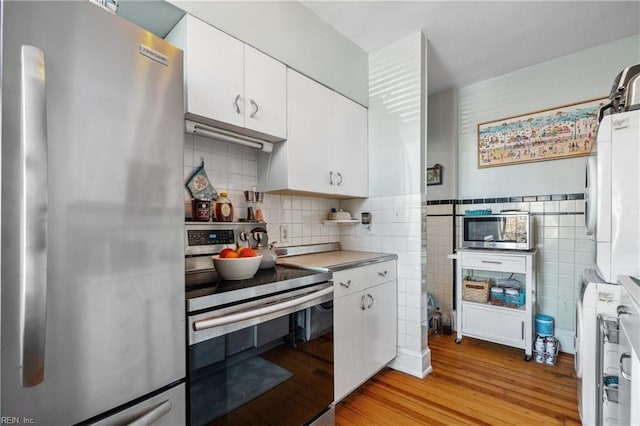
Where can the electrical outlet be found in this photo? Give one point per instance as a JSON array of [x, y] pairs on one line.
[[284, 234]]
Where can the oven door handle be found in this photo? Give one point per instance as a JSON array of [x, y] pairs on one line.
[[242, 316]]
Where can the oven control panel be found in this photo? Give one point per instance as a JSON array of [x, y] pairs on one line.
[[208, 238], [202, 237]]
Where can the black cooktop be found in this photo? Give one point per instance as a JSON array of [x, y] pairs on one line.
[[207, 291]]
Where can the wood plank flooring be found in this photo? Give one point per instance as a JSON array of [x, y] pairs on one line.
[[472, 383]]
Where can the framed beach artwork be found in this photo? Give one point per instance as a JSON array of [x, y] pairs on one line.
[[561, 132]]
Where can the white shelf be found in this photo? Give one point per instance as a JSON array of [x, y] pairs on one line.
[[341, 222]]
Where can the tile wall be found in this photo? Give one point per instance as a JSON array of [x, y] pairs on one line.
[[233, 169], [396, 228], [439, 238], [564, 251]]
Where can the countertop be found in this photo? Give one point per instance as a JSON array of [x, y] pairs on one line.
[[337, 260]]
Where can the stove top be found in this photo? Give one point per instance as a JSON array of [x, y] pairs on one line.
[[205, 290]]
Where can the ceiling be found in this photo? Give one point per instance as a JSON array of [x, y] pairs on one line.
[[471, 41], [468, 41]]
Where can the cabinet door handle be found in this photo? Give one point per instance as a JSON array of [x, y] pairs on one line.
[[625, 375], [383, 273], [331, 178], [235, 104], [362, 306], [493, 262], [522, 329], [371, 303], [341, 179], [255, 108], [346, 285]]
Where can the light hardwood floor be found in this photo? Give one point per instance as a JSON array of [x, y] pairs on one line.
[[473, 382]]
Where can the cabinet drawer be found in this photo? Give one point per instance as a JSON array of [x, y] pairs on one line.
[[494, 263], [349, 281]]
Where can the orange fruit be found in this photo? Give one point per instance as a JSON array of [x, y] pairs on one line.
[[240, 249], [225, 252], [247, 252], [232, 254]]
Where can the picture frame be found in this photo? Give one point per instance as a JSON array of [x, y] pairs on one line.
[[434, 175], [555, 133]]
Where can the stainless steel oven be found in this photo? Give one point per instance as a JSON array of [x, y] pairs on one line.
[[250, 358]]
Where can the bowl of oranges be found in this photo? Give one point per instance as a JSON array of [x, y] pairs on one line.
[[240, 264]]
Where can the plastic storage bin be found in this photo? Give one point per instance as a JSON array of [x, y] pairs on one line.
[[513, 298], [544, 325], [497, 296]]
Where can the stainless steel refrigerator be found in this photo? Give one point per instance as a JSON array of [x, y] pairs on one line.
[[92, 261]]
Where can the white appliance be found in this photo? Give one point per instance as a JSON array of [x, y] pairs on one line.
[[613, 196], [509, 230], [93, 321], [629, 357], [597, 297]]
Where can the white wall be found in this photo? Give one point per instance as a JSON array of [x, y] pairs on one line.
[[574, 78], [564, 251], [291, 33], [395, 126], [442, 143]]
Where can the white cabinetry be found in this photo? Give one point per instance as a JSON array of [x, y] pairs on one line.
[[326, 150], [365, 323], [512, 326], [229, 84], [628, 359]]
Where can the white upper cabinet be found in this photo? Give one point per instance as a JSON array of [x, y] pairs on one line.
[[309, 128], [326, 149], [351, 159], [265, 93], [228, 83]]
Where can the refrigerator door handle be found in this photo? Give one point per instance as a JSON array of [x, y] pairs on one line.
[[33, 216], [153, 415]]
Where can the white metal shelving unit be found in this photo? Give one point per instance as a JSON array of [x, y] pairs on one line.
[[500, 324]]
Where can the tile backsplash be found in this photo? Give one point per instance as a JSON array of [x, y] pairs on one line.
[[396, 228], [234, 169]]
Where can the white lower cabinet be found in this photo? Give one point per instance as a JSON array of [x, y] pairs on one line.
[[365, 324], [500, 326]]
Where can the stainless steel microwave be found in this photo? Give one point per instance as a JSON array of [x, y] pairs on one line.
[[510, 231]]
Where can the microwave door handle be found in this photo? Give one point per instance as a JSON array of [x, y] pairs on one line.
[[33, 217], [502, 226]]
